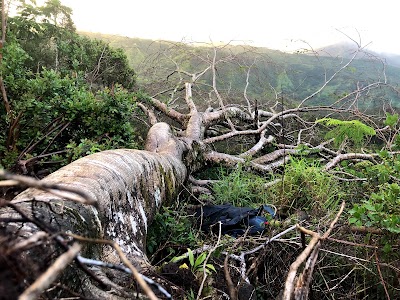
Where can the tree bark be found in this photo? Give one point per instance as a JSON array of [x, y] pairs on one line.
[[128, 186]]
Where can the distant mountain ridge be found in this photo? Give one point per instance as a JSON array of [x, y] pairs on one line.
[[292, 75], [347, 49]]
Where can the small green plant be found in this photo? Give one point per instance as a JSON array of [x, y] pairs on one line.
[[196, 264], [353, 130], [391, 120], [190, 295]]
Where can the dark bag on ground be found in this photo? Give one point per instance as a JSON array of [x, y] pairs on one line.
[[234, 220]]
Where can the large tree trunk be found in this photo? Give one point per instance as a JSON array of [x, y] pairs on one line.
[[128, 187]]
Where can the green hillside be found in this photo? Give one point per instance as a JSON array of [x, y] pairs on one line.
[[292, 76]]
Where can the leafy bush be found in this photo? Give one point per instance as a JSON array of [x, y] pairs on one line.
[[56, 113], [64, 90], [48, 35], [382, 210]]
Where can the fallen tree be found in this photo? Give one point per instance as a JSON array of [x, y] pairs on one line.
[[114, 195]]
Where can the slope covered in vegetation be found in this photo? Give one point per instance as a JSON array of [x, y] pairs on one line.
[[293, 75]]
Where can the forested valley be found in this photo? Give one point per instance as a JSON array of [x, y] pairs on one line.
[[113, 150]]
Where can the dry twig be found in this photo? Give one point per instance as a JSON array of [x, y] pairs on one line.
[[380, 276], [205, 262]]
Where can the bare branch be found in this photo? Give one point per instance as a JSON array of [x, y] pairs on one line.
[[223, 158], [348, 156], [177, 116], [331, 78], [138, 277], [150, 113], [263, 141]]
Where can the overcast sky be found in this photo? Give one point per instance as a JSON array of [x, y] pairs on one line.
[[275, 24]]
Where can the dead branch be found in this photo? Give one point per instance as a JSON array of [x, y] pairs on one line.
[[232, 290], [217, 244], [273, 156], [381, 277], [200, 190], [32, 241], [223, 158], [349, 156], [213, 117], [175, 115], [259, 146], [149, 112], [201, 182], [303, 282], [262, 168], [334, 75], [233, 293], [351, 243], [241, 257], [315, 242]]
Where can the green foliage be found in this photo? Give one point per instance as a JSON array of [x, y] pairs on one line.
[[50, 102], [391, 120], [196, 264], [170, 228], [85, 147], [306, 186], [353, 130], [376, 174], [190, 295], [382, 210], [48, 35], [64, 90], [240, 188]]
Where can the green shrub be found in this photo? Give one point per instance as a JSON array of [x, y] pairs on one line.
[[58, 113], [381, 210]]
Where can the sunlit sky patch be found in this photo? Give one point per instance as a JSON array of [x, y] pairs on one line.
[[275, 24]]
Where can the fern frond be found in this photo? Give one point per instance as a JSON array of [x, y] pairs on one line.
[[352, 130]]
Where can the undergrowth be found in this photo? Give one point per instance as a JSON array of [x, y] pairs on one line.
[[240, 188], [304, 185], [170, 234]]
